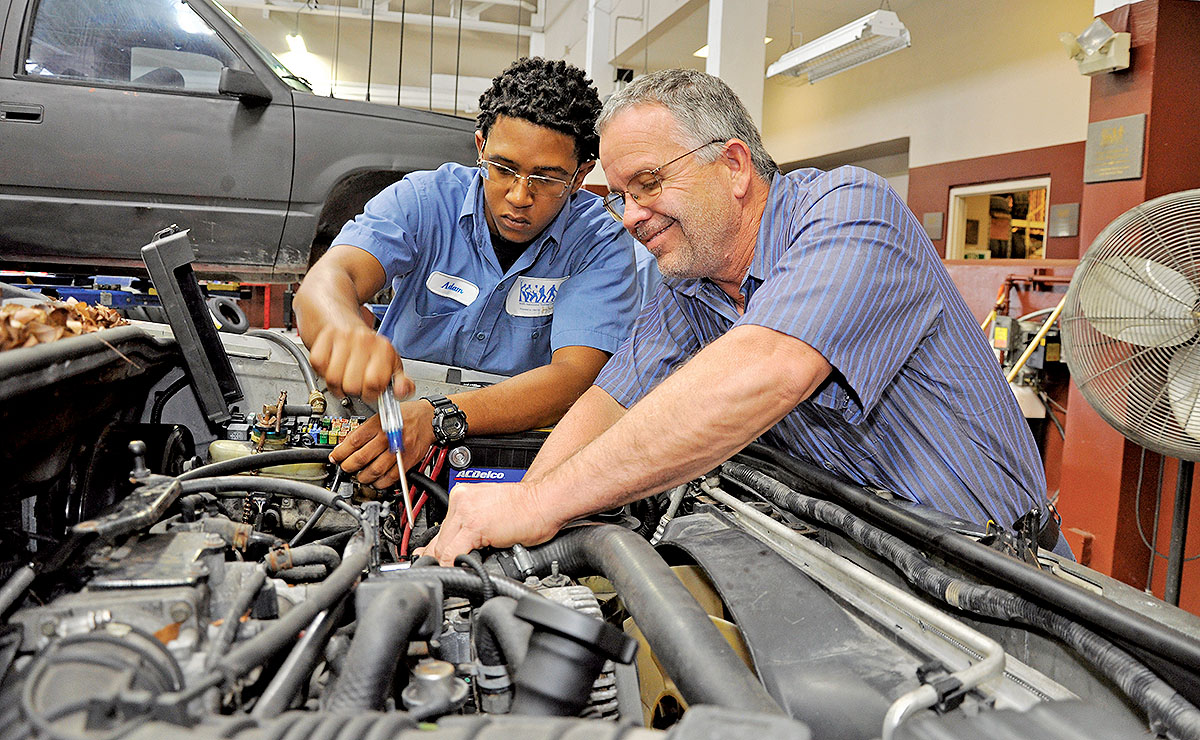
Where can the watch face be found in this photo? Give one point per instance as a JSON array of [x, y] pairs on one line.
[[452, 427]]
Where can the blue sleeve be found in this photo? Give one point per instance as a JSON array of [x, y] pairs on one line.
[[388, 228], [662, 341], [852, 284], [597, 305]]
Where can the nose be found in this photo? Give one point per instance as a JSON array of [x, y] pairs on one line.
[[635, 213], [518, 193]]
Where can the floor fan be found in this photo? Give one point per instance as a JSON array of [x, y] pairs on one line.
[[1130, 328]]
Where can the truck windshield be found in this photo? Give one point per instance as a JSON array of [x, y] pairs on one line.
[[294, 81]]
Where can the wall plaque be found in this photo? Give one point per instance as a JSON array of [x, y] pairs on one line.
[[1064, 220], [933, 224], [1114, 149]]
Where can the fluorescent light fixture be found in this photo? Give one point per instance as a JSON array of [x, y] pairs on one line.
[[295, 42], [702, 52], [870, 37]]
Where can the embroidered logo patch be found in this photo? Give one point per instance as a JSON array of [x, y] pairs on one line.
[[454, 288], [530, 296]]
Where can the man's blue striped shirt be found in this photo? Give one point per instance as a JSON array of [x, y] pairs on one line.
[[916, 403]]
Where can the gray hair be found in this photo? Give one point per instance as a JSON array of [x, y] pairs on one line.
[[704, 107]]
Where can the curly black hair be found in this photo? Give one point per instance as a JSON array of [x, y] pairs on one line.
[[547, 93]]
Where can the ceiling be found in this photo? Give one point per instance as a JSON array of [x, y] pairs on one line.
[[801, 20]]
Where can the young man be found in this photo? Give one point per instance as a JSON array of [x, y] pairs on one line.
[[809, 309], [505, 267]]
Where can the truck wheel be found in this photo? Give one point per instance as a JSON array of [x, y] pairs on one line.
[[346, 201], [228, 314]]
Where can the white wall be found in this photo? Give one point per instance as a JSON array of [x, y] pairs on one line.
[[980, 78]]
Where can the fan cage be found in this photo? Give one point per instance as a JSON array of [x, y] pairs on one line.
[[1130, 325]]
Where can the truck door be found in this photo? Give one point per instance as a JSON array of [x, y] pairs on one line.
[[112, 127]]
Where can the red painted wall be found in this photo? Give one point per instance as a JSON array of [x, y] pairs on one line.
[[929, 186]]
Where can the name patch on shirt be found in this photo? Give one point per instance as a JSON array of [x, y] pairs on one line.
[[530, 296], [454, 288]]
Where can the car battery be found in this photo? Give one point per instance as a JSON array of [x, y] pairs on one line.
[[493, 459]]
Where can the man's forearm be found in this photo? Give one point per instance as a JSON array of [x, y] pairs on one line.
[[325, 298], [533, 399], [592, 414], [333, 291], [694, 420]]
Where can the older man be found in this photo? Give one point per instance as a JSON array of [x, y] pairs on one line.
[[809, 309]]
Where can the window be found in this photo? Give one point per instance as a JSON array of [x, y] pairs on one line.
[[1005, 220], [161, 44]]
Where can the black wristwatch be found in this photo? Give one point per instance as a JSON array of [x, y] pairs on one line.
[[449, 422]]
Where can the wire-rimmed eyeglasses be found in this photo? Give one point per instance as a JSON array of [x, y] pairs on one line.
[[644, 186], [507, 177]]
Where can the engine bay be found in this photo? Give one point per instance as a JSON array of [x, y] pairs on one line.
[[168, 571]]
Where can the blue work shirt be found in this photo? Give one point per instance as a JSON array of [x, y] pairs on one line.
[[574, 284], [916, 402]]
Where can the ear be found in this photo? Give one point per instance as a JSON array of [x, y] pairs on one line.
[[580, 176], [741, 168], [479, 142]]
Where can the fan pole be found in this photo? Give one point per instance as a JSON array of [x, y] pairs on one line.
[[1179, 523]]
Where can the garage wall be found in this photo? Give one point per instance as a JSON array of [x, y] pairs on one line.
[[483, 55], [980, 78], [929, 186]]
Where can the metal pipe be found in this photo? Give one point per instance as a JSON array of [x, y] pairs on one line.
[[989, 666], [1179, 522]]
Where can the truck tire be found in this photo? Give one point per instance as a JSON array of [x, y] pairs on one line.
[[228, 314], [346, 201]]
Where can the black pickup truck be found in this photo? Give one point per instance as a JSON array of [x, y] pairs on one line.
[[121, 117]]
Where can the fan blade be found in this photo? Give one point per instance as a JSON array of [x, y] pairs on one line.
[[1139, 301], [1183, 389]]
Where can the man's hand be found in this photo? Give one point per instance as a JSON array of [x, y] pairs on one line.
[[490, 515], [355, 361], [365, 450]]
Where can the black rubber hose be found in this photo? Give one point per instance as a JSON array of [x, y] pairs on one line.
[[15, 587], [166, 394], [691, 649], [188, 505], [648, 516], [422, 539], [1109, 617], [262, 484], [430, 487], [1160, 702], [380, 639], [257, 462], [471, 561], [463, 582], [306, 369], [501, 638], [226, 633], [312, 554], [258, 649]]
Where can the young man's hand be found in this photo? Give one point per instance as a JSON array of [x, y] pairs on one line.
[[364, 452], [355, 361]]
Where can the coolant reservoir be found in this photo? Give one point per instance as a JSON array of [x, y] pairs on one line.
[[227, 449]]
